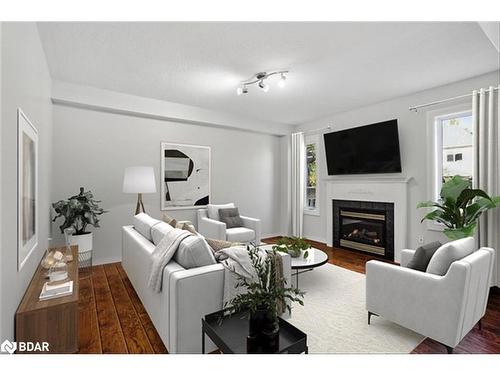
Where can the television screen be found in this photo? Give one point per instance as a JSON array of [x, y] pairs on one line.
[[366, 149]]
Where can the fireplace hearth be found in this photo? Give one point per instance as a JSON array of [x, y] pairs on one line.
[[364, 226]]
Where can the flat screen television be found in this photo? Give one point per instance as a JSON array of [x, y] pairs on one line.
[[366, 149]]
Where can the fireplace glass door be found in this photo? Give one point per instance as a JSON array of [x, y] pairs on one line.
[[363, 230]]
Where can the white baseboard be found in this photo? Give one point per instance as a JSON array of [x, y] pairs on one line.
[[98, 262], [316, 239]]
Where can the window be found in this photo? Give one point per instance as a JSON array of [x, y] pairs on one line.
[[452, 152], [311, 198], [456, 145]]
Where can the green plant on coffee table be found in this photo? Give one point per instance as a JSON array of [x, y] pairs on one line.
[[78, 211], [293, 246], [459, 207], [266, 291]]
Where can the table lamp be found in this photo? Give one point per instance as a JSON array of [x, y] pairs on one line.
[[139, 180]]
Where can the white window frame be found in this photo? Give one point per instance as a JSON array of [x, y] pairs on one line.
[[312, 139], [435, 156]]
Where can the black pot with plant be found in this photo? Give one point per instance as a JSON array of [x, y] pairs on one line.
[[266, 296], [293, 246]]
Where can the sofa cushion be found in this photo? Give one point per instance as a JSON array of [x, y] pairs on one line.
[[213, 210], [423, 255], [449, 253], [194, 252], [231, 217], [159, 230], [143, 224], [240, 234]]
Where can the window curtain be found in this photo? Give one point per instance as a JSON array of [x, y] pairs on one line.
[[298, 183], [485, 117]]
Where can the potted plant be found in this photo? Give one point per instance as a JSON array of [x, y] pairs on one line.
[[459, 208], [78, 212], [293, 246], [265, 298]]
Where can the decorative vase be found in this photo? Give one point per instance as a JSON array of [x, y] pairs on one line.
[[263, 332], [84, 241]]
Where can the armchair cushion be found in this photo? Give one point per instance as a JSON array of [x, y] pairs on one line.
[[449, 253], [423, 256], [231, 217], [213, 210], [240, 234]]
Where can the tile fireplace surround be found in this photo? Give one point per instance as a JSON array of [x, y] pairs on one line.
[[384, 189]]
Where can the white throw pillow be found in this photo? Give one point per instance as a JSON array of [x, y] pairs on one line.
[[159, 231], [449, 253], [194, 252], [143, 224], [213, 210]]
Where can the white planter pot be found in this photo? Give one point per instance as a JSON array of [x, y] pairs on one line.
[[84, 242]]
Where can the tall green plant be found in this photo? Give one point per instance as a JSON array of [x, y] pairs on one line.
[[459, 208], [78, 211], [265, 291]]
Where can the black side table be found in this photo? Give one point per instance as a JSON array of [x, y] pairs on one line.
[[229, 334]]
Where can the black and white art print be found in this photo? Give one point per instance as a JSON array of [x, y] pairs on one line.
[[185, 176], [27, 185]]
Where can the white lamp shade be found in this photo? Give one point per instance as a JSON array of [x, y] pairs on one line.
[[139, 180]]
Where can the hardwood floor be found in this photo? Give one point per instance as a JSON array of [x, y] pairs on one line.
[[112, 319]]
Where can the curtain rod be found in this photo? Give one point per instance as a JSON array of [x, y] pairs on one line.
[[415, 108]]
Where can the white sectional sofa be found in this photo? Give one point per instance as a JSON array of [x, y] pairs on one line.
[[187, 294]]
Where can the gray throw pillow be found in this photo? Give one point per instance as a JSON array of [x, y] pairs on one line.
[[449, 253], [231, 217], [423, 255]]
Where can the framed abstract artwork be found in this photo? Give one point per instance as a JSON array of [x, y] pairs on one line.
[[185, 176], [27, 188]]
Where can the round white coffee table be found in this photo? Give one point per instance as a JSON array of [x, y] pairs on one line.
[[315, 258]]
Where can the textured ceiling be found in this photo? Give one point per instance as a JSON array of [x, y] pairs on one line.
[[333, 66]]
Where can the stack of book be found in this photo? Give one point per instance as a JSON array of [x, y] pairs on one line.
[[56, 290]]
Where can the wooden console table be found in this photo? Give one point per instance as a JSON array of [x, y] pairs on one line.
[[55, 320]]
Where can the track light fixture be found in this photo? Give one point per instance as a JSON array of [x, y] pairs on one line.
[[260, 79]]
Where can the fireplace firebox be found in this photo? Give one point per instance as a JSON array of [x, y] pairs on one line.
[[364, 226]]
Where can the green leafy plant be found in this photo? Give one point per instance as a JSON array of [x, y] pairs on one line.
[[78, 211], [292, 246], [459, 207], [266, 291]]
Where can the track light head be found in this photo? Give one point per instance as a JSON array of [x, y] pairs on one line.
[[264, 86], [282, 81], [242, 90]]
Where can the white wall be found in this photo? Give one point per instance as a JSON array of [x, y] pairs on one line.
[[92, 148], [413, 143], [25, 84]]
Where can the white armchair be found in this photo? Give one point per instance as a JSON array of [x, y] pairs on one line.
[[212, 228], [444, 308]]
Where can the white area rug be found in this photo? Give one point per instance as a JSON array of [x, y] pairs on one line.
[[335, 319]]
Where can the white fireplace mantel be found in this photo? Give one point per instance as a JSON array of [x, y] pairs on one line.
[[376, 189]]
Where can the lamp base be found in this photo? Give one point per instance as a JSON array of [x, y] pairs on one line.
[[140, 205]]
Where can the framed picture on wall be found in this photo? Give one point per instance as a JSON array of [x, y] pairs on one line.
[[27, 188], [185, 176]]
